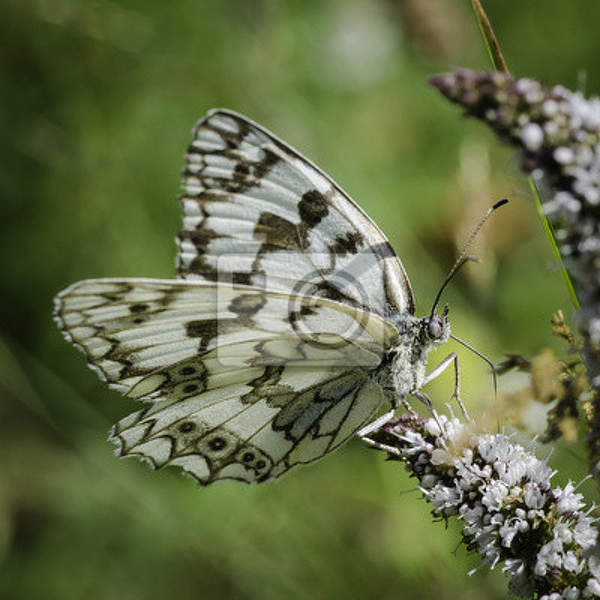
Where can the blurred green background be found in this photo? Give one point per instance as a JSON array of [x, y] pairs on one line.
[[98, 99]]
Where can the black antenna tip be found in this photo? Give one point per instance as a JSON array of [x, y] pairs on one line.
[[500, 203]]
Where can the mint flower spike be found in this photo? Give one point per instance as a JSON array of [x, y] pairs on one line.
[[503, 495], [558, 134]]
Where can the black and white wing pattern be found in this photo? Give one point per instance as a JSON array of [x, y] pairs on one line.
[[267, 351], [240, 383], [258, 213]]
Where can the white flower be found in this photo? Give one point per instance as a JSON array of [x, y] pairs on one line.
[[432, 426], [594, 566], [444, 497], [514, 565], [584, 113], [571, 563], [571, 593], [586, 174], [428, 481], [564, 155], [592, 588], [510, 529], [533, 496], [510, 510], [471, 515], [568, 500], [415, 442], [563, 532], [533, 136], [585, 534], [550, 108], [562, 201], [513, 471], [494, 494], [510, 513], [440, 456]]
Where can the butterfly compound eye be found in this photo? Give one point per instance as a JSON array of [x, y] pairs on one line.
[[435, 328]]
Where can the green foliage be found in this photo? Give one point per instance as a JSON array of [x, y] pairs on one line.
[[98, 100]]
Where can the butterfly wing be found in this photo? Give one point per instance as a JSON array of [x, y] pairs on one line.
[[257, 212], [229, 371], [252, 430]]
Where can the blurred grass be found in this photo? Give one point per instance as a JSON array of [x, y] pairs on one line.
[[98, 100]]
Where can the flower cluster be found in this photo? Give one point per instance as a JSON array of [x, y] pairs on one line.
[[503, 495], [558, 133]]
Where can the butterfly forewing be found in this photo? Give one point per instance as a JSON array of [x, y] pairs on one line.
[[132, 328], [257, 210]]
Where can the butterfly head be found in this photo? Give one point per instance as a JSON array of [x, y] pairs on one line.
[[435, 329]]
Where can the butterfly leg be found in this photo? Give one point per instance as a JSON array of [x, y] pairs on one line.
[[451, 358], [385, 447], [376, 424], [365, 432], [426, 400], [379, 422]]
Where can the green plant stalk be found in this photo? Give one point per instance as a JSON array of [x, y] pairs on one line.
[[489, 37], [499, 64], [552, 240]]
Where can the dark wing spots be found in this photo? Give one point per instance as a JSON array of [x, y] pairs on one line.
[[305, 311], [247, 304], [383, 250], [329, 291], [312, 208], [347, 244], [241, 171], [209, 329], [205, 330], [217, 443], [276, 233], [187, 426], [202, 329], [241, 278], [201, 238], [137, 308]]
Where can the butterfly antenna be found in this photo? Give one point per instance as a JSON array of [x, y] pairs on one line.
[[483, 357], [462, 257]]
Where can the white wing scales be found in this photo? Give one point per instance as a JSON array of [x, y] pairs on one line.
[[223, 435], [131, 328], [257, 211], [261, 355]]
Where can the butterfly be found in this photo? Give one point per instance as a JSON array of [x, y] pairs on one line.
[[289, 324]]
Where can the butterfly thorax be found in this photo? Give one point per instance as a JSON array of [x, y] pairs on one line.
[[403, 369]]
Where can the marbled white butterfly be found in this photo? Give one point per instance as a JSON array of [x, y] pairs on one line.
[[290, 322]]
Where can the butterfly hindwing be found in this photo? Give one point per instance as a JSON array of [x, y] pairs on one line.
[[230, 372], [257, 212], [253, 431]]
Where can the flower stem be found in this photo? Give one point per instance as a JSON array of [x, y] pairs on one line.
[[489, 37]]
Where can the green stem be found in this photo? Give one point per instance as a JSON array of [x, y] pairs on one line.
[[498, 62], [489, 37], [552, 240]]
